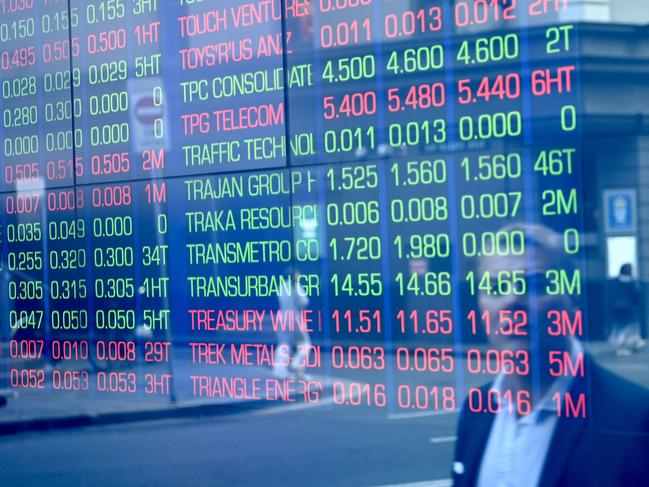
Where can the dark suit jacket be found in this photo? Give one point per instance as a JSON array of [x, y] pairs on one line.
[[610, 447]]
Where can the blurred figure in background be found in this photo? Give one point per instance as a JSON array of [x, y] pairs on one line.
[[521, 433], [626, 297], [292, 301]]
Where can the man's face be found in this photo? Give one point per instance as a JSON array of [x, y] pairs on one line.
[[521, 306]]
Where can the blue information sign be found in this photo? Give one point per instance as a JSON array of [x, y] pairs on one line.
[[620, 205]]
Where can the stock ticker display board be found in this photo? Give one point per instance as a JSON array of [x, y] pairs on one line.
[[372, 201]]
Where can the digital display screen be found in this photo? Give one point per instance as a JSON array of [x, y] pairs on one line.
[[416, 144], [355, 204]]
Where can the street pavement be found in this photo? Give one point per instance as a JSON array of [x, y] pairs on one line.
[[279, 444], [274, 446]]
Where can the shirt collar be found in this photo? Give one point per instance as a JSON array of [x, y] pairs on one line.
[[546, 404]]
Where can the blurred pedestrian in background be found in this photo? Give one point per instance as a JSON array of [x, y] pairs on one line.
[[292, 301], [625, 335]]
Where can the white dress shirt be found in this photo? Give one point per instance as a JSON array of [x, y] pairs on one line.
[[517, 446]]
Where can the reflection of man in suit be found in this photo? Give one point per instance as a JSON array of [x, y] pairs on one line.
[[609, 447]]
